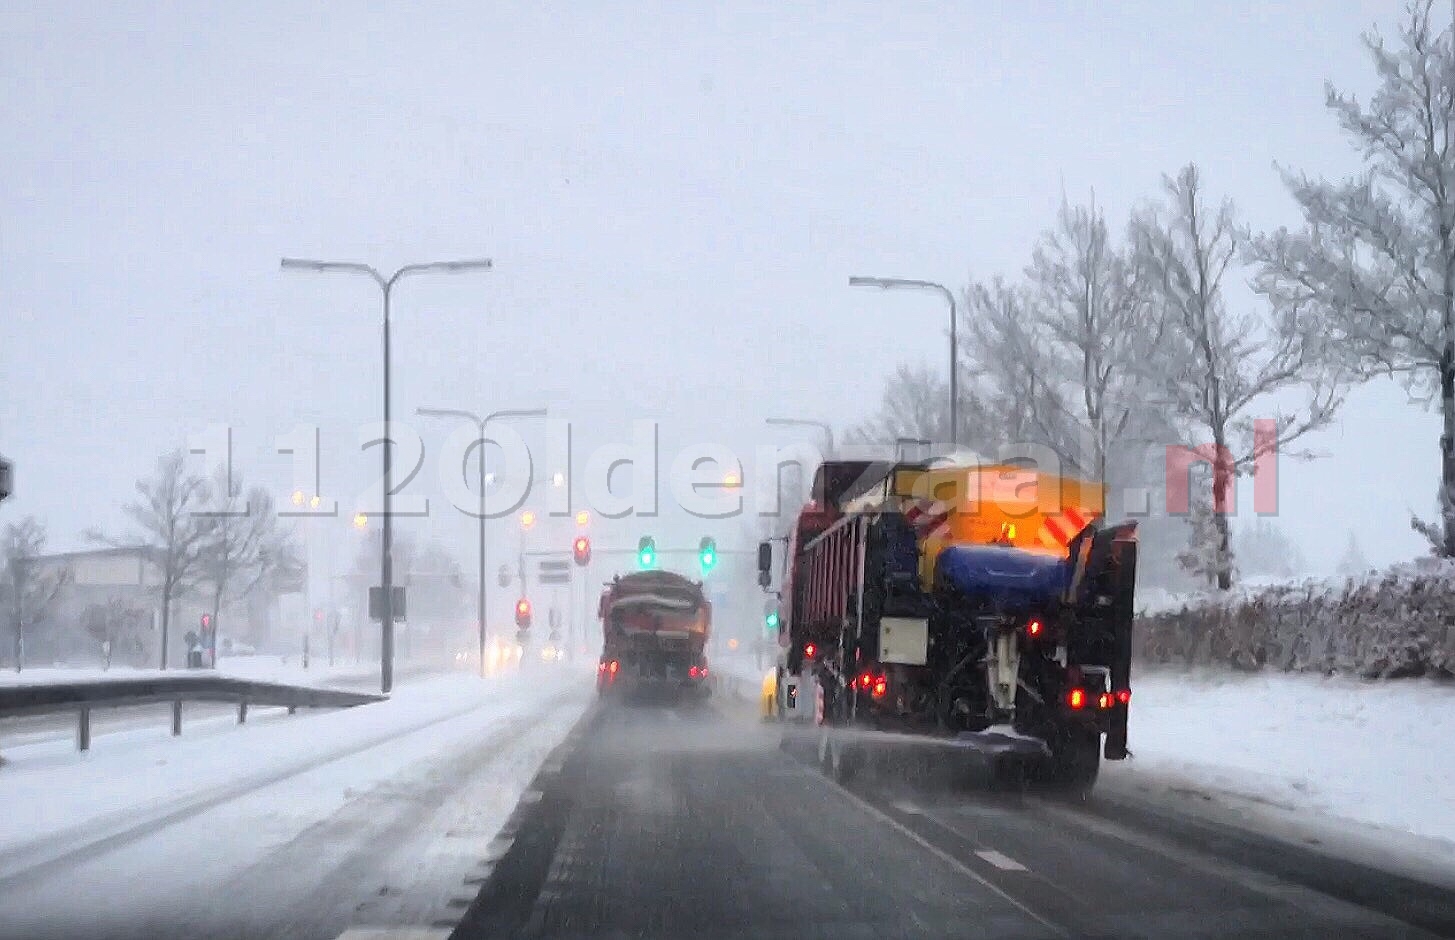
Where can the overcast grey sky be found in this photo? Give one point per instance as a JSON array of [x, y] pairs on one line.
[[674, 195]]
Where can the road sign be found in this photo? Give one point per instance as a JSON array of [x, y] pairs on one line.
[[502, 577], [7, 478], [554, 571], [376, 602]]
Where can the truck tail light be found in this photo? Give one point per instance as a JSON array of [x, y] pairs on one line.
[[881, 686], [1124, 696], [1035, 628], [1076, 698], [1104, 701], [808, 650], [613, 667]]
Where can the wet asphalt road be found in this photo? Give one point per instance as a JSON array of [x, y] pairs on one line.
[[654, 822]]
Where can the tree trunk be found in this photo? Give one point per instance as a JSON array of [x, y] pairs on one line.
[[1447, 447], [1223, 481]]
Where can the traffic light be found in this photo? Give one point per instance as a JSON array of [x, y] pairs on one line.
[[581, 549], [707, 554], [770, 620], [206, 622], [522, 614], [646, 552]]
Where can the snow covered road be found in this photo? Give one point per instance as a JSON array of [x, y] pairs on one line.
[[296, 827]]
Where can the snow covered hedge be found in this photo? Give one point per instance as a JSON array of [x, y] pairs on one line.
[[1396, 624]]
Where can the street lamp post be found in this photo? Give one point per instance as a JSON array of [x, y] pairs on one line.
[[386, 563], [896, 283], [480, 424]]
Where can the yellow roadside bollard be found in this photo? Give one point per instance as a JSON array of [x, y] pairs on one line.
[[770, 693]]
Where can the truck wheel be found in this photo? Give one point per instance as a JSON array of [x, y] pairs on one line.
[[1075, 761]]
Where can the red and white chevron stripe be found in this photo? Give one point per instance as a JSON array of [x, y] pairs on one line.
[[928, 518], [1058, 529]]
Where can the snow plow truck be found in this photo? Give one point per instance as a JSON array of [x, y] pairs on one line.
[[981, 605], [655, 626]]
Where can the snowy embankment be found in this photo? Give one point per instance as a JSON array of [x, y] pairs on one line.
[[1377, 753], [72, 797]]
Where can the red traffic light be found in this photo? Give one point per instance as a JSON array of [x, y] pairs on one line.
[[206, 621], [318, 615], [522, 613], [581, 549]]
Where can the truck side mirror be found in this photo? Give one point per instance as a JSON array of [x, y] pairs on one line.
[[765, 563]]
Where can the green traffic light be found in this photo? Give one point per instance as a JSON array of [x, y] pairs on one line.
[[772, 620], [707, 554], [646, 552]]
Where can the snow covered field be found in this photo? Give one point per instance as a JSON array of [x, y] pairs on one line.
[[1377, 753]]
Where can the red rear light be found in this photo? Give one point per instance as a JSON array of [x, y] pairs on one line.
[[881, 686], [692, 672], [1124, 696], [1104, 700], [1076, 698], [866, 680], [1035, 628], [703, 672], [809, 650], [614, 667]]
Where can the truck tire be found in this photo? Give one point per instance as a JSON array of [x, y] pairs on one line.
[[1075, 762]]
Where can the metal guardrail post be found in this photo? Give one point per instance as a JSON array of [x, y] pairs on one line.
[[242, 710], [83, 728], [176, 718]]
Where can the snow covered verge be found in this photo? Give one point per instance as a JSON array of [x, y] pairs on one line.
[[70, 796], [1312, 747], [1395, 624]]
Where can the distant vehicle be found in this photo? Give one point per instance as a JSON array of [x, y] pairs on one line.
[[996, 616], [230, 647], [655, 627]]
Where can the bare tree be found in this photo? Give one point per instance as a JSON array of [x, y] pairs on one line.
[[916, 405], [115, 625], [1219, 367], [1008, 364], [1097, 328], [1376, 256], [29, 593], [172, 526], [244, 543]]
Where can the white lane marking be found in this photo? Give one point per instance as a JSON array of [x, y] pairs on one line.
[[1003, 862], [935, 850], [907, 808], [394, 933]]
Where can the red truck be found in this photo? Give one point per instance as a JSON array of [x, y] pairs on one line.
[[655, 626]]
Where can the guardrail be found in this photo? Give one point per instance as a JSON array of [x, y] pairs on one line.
[[84, 697]]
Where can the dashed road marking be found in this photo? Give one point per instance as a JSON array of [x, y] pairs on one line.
[[1003, 862], [936, 851]]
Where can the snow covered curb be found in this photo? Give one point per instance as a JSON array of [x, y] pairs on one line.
[[1373, 752]]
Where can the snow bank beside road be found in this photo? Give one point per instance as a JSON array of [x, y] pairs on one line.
[[1373, 752], [72, 795]]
